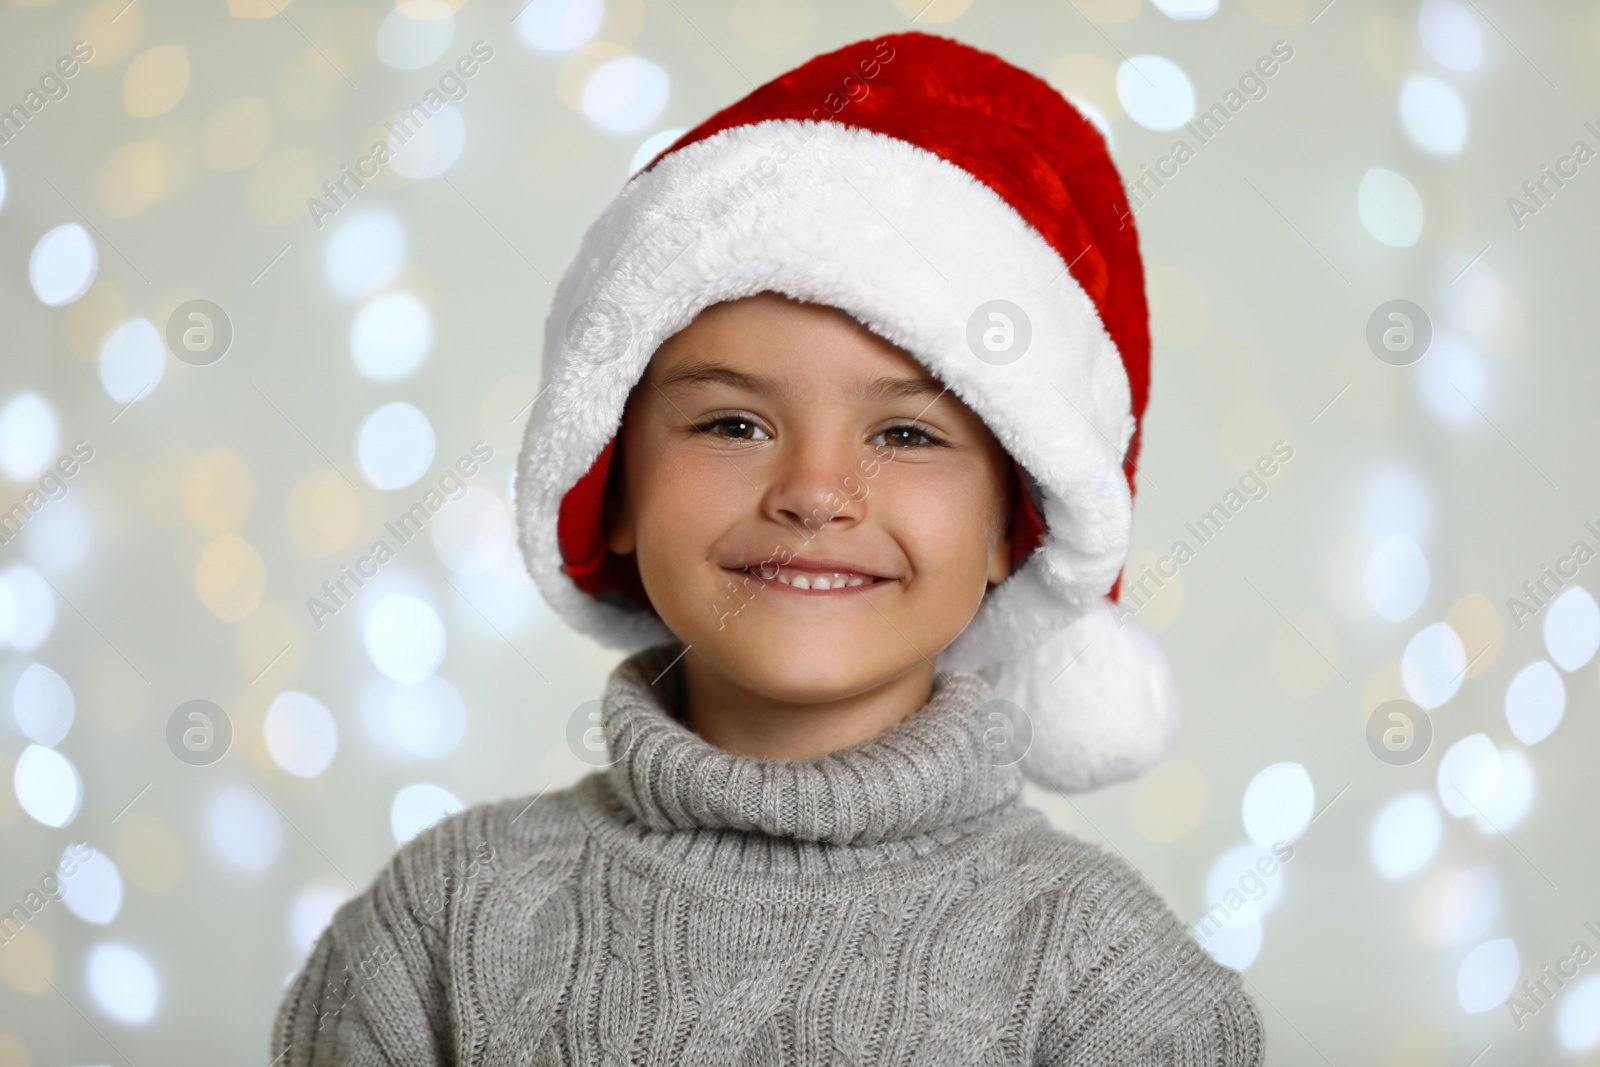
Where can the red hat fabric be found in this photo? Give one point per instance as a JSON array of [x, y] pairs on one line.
[[962, 209]]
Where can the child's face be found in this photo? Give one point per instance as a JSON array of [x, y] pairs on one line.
[[785, 440]]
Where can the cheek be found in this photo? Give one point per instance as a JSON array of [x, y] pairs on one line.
[[682, 501], [947, 520]]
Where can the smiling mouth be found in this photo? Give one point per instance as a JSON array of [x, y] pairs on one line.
[[814, 580]]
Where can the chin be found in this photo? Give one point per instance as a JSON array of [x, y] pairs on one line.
[[810, 666]]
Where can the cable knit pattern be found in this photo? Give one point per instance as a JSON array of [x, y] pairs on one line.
[[892, 903]]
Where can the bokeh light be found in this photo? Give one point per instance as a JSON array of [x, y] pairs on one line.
[[1512, 798], [1433, 115], [1572, 628], [29, 436], [300, 733], [1236, 872], [245, 828], [1278, 804], [1404, 835], [312, 911], [560, 25], [417, 807], [1535, 701], [94, 889], [1469, 775], [1578, 1017], [1390, 208], [430, 151], [1398, 502], [63, 265], [394, 446], [1487, 974], [1467, 905], [652, 146], [405, 638], [1155, 92], [132, 360], [415, 33], [427, 718], [42, 704], [1187, 9], [27, 607], [391, 337], [1453, 381], [123, 983], [47, 785], [1450, 34], [365, 253], [474, 534], [1396, 577], [1433, 665], [625, 94]]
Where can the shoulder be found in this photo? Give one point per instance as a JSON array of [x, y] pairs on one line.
[[1123, 971], [534, 840]]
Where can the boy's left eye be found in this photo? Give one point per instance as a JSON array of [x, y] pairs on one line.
[[907, 436]]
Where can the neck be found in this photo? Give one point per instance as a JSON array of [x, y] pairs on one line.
[[745, 722]]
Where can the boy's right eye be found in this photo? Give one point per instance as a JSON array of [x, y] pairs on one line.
[[736, 427]]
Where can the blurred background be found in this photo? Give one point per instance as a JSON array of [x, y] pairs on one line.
[[226, 364]]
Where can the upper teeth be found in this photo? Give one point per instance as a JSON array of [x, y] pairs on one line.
[[814, 579]]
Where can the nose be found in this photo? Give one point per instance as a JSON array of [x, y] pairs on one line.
[[813, 484]]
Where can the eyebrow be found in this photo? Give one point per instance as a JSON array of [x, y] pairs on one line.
[[880, 388]]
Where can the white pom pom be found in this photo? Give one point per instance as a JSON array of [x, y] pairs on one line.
[[1100, 698]]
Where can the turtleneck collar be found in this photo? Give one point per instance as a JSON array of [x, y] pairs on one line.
[[925, 773]]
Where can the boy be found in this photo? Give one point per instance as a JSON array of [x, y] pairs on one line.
[[838, 441]]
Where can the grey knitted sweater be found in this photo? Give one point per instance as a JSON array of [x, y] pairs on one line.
[[891, 903]]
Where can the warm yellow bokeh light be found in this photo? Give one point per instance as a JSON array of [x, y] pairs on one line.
[[217, 490], [323, 514], [148, 851], [1090, 78], [155, 81], [90, 317], [235, 134], [132, 178], [111, 28], [13, 1053], [26, 962], [1168, 802], [230, 577], [1476, 622]]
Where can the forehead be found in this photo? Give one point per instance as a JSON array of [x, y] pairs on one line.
[[770, 342]]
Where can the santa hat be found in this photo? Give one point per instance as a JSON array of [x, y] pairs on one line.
[[962, 209]]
